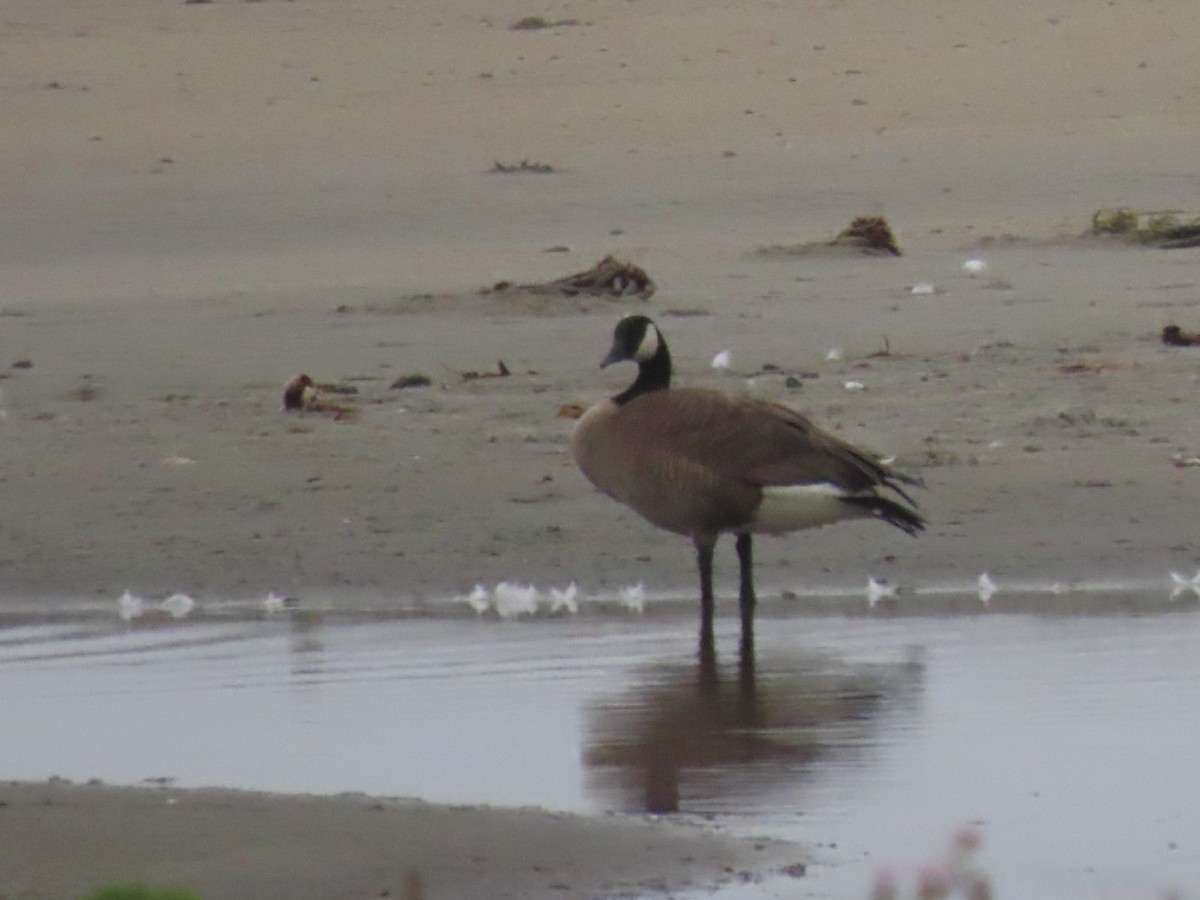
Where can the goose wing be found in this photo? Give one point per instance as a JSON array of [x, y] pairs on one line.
[[758, 442]]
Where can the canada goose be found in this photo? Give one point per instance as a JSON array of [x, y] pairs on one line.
[[700, 463]]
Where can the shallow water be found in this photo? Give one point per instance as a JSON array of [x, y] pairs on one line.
[[1066, 729]]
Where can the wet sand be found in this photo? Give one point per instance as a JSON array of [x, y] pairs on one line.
[[201, 201], [238, 844]]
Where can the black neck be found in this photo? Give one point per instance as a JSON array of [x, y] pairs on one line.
[[653, 374]]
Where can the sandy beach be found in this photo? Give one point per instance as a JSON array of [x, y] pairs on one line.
[[201, 201]]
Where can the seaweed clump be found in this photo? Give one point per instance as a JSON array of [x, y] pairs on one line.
[[1165, 229]]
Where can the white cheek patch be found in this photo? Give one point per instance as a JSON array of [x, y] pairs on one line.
[[649, 346], [795, 507]]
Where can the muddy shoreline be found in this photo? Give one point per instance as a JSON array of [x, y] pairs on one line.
[[236, 844]]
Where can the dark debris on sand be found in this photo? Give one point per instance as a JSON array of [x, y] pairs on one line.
[[1174, 336], [866, 236], [608, 278], [303, 395], [871, 234]]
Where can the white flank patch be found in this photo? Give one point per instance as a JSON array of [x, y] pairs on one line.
[[722, 360], [795, 507]]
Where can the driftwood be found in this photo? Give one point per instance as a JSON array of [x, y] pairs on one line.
[[608, 278], [1165, 229]]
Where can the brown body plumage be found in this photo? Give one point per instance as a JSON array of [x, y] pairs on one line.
[[696, 462]]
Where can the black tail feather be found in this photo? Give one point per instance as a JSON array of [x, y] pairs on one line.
[[907, 520], [892, 479]]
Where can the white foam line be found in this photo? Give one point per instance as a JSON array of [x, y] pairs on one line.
[[1007, 586], [635, 598], [567, 598]]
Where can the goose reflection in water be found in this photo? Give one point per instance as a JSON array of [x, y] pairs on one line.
[[688, 739]]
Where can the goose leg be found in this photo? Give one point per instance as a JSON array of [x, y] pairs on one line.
[[746, 598], [746, 602], [704, 561]]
